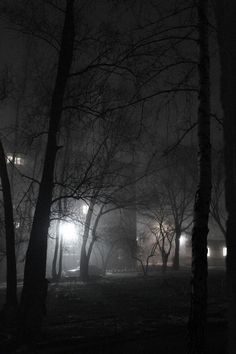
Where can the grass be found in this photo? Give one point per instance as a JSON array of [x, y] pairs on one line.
[[120, 314]]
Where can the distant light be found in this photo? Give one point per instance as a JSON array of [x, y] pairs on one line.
[[224, 251], [182, 240], [85, 209], [68, 231], [208, 252], [17, 160], [17, 224], [9, 158]]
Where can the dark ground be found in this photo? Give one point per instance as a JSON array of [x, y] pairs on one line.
[[125, 315]]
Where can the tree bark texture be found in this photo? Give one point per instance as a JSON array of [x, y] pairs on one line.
[[176, 254], [11, 293], [56, 251], [33, 299], [59, 273], [164, 262], [226, 23], [198, 309], [84, 256]]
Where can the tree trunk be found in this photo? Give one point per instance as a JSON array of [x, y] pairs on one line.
[[84, 259], [58, 244], [56, 250], [84, 264], [226, 21], [11, 294], [92, 242], [106, 259], [164, 263], [176, 255], [34, 293], [59, 274], [198, 310]]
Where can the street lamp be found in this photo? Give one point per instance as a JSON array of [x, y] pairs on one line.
[[224, 251], [85, 209], [182, 240], [68, 231]]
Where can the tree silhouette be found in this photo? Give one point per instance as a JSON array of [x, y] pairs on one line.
[[11, 296], [226, 30], [33, 298], [198, 309]]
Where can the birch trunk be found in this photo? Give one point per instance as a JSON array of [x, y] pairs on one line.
[[198, 309]]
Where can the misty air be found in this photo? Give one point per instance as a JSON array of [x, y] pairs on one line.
[[117, 176]]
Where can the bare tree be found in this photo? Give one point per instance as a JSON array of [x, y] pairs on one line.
[[34, 291], [11, 291], [11, 295], [144, 253], [58, 250], [159, 232], [177, 184], [217, 208], [105, 205], [198, 309], [226, 30], [164, 235]]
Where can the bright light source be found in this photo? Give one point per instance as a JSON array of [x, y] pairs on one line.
[[208, 252], [182, 240], [224, 251], [17, 224], [9, 158], [85, 209], [68, 231], [17, 159]]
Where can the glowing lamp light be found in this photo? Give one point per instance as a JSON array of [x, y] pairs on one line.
[[85, 209], [224, 251], [208, 252], [182, 240], [68, 232]]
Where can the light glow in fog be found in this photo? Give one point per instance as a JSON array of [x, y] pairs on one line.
[[68, 231]]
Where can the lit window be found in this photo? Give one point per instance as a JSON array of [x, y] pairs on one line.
[[208, 252], [9, 158], [224, 251], [17, 160]]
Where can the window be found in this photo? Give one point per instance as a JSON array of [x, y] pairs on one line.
[[9, 158], [224, 251], [19, 161]]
